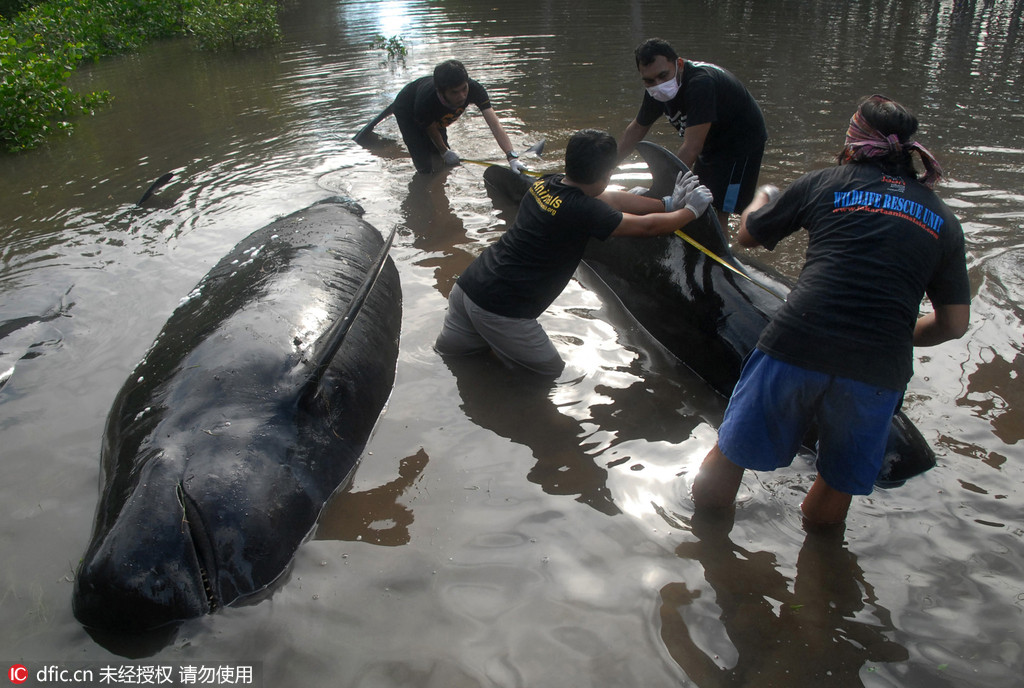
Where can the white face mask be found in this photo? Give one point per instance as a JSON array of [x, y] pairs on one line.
[[666, 90]]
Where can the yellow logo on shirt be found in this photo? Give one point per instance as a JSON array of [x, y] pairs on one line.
[[547, 201]]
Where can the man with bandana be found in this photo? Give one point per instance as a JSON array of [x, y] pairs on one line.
[[721, 124], [840, 351], [426, 107]]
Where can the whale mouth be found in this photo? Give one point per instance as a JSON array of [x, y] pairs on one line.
[[131, 581], [192, 523]]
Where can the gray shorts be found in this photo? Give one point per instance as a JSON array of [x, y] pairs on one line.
[[469, 329]]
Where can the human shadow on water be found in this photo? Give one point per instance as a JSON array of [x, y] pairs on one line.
[[517, 405], [770, 631], [436, 230], [375, 515]]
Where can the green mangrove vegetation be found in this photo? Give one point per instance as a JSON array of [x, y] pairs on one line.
[[393, 46], [41, 44]]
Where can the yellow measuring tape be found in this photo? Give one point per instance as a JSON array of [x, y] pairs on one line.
[[490, 164], [680, 233], [710, 254]]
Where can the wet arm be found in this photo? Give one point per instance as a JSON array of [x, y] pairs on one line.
[[635, 132], [744, 237], [941, 325], [434, 133], [653, 224], [632, 203], [693, 143], [491, 117]]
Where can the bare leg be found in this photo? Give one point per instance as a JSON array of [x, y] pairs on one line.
[[825, 506], [717, 481]]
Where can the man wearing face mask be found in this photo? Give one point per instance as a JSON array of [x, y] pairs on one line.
[[721, 124], [426, 107]]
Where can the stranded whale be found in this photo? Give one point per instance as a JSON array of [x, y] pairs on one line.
[[249, 410], [697, 299]]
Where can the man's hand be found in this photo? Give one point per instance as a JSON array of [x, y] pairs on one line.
[[698, 200], [451, 158], [685, 183], [517, 167]]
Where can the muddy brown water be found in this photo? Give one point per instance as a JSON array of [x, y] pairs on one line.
[[494, 534]]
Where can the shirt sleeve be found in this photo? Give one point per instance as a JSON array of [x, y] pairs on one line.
[[701, 100], [600, 219], [650, 111], [478, 95]]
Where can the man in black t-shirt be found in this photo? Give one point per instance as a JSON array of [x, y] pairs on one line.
[[840, 350], [426, 107], [497, 300], [721, 125]]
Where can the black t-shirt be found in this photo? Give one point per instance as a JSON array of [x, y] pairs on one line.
[[519, 275], [876, 245], [420, 101], [709, 93]]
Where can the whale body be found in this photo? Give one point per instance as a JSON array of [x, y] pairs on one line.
[[249, 410], [708, 313]]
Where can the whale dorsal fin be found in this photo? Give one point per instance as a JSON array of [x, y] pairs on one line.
[[334, 337], [664, 167]]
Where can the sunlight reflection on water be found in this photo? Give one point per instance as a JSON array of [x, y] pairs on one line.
[[494, 535]]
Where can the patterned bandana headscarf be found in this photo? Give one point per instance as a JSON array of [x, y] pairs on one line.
[[863, 142]]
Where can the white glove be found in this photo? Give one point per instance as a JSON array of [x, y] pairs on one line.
[[698, 200], [451, 158], [517, 167], [685, 183]]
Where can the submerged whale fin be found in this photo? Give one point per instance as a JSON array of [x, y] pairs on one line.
[[334, 337], [537, 148], [506, 184], [161, 180], [367, 129], [907, 453]]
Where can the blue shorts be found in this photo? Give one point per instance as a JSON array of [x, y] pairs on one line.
[[774, 404]]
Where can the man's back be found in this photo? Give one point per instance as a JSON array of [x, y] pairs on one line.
[[876, 244]]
